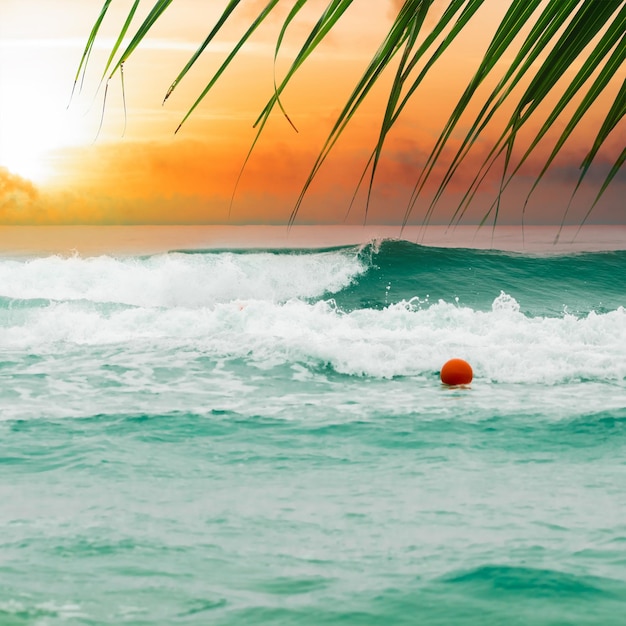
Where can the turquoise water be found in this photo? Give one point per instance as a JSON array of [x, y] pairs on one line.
[[260, 437]]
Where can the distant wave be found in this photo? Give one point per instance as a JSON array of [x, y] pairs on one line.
[[543, 285], [386, 309], [371, 276], [517, 581]]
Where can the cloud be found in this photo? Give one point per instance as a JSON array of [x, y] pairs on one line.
[[192, 181], [19, 198], [21, 202]]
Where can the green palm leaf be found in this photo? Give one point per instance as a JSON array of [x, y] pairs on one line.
[[584, 38], [82, 66], [255, 24], [156, 12], [120, 37], [582, 29], [232, 5]]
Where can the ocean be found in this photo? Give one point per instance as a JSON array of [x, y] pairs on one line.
[[254, 432]]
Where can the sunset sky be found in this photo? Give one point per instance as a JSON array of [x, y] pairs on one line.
[[56, 168]]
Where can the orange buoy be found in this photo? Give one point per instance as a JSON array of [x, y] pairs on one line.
[[456, 372]]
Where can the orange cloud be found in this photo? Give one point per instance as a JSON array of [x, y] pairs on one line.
[[18, 197]]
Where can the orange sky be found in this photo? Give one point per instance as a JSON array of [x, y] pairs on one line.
[[53, 169]]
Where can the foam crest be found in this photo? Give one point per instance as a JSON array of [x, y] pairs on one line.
[[187, 280], [506, 303], [405, 339]]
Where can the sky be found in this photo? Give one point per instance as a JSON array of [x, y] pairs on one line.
[[87, 161]]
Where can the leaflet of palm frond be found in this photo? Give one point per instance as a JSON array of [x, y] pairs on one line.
[[123, 99], [561, 57], [155, 13], [255, 24], [506, 38], [581, 30], [356, 189], [543, 31], [458, 27], [393, 42], [474, 186], [614, 116], [585, 25], [395, 93], [104, 104], [82, 66], [603, 79], [232, 5], [616, 113], [290, 17], [318, 32], [328, 19], [515, 18], [590, 19], [611, 175], [473, 189], [120, 38], [326, 22], [598, 86], [450, 12], [454, 6]]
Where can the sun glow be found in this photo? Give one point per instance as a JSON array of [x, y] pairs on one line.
[[35, 124], [30, 135]]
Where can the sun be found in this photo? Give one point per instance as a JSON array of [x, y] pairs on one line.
[[35, 122], [30, 134]]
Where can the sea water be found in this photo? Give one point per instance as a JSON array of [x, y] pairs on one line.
[[260, 436]]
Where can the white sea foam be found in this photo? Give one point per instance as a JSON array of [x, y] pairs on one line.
[[187, 280], [405, 339], [253, 306]]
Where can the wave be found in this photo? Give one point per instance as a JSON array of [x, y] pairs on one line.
[[516, 580], [405, 339], [179, 279], [543, 285], [386, 309], [371, 276]]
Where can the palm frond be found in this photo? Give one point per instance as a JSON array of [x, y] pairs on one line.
[[82, 66], [120, 37], [255, 24], [560, 48], [155, 13], [232, 5]]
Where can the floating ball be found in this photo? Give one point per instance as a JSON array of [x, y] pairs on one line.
[[456, 372]]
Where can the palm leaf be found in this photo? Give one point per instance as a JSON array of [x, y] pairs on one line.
[[390, 46], [602, 81], [515, 19], [544, 29], [255, 24], [120, 38], [615, 114], [323, 26], [581, 30], [297, 7], [616, 167], [561, 31], [82, 66], [232, 5], [407, 29], [155, 13]]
